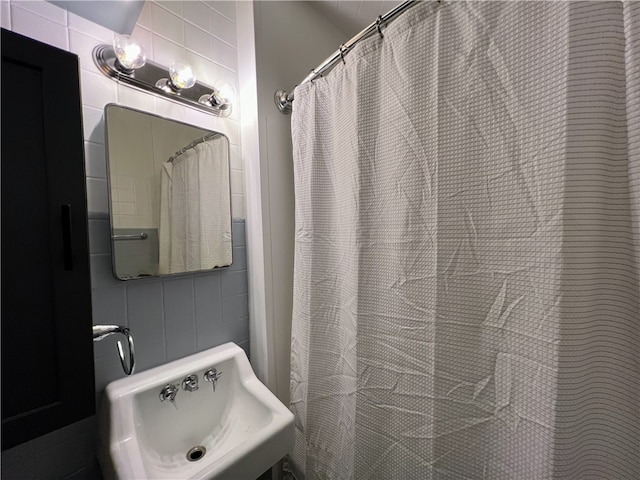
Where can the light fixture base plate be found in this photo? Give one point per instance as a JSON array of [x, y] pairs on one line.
[[145, 78]]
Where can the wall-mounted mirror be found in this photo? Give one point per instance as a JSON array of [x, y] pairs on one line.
[[170, 199]]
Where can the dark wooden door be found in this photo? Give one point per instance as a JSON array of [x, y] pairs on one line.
[[47, 351]]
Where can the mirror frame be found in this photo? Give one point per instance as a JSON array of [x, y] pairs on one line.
[[112, 227]]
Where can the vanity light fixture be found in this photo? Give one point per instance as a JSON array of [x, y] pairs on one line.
[[222, 97], [125, 62], [129, 53], [180, 77]]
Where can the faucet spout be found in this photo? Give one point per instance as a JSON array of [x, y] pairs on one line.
[[103, 331]]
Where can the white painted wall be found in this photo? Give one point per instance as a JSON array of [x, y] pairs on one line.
[[291, 38]]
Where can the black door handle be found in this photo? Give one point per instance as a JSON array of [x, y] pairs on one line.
[[67, 251]]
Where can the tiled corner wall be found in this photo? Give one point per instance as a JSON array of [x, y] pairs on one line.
[[170, 317]]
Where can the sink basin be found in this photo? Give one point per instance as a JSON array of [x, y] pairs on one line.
[[237, 431]]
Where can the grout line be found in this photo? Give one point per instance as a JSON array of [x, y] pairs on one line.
[[235, 72], [235, 47], [167, 9], [126, 302], [164, 322], [9, 15], [193, 300], [38, 14], [220, 13]]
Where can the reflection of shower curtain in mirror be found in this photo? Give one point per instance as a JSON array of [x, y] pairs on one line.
[[195, 212]]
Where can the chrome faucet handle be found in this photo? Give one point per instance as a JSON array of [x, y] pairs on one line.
[[169, 392], [190, 383], [212, 375]]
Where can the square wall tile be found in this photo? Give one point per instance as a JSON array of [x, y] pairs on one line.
[[237, 182], [239, 259], [102, 271], [234, 282], [197, 40], [82, 45], [145, 37], [173, 6], [99, 236], [97, 90], [179, 317], [198, 14], [224, 29], [130, 97], [226, 8], [165, 51], [145, 314], [234, 308], [79, 24], [238, 230], [236, 157], [237, 206], [45, 10], [97, 197], [93, 124], [95, 160], [109, 305], [5, 14], [27, 23], [224, 54], [208, 309], [166, 24], [107, 362], [144, 19], [235, 330]]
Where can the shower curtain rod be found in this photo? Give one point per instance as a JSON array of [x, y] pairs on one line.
[[284, 99], [197, 141]]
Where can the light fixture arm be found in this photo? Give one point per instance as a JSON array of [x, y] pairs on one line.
[[146, 77]]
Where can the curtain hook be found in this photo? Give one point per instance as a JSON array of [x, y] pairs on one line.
[[315, 75], [379, 26], [342, 49]]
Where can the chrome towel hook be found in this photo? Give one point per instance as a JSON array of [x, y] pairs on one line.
[[103, 331]]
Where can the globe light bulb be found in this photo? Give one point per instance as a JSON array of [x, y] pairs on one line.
[[225, 92], [182, 75], [129, 52]]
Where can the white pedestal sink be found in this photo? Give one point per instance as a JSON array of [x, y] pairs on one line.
[[237, 431]]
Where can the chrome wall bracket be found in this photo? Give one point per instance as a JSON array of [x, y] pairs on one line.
[[103, 331], [284, 101], [147, 78]]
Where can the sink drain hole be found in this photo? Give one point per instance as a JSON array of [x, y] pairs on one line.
[[196, 453]]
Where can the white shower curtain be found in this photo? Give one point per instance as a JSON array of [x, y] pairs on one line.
[[466, 297], [195, 209]]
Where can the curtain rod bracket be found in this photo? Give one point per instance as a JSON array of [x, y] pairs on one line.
[[284, 101]]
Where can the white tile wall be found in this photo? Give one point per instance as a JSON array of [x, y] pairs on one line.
[[171, 317], [226, 8]]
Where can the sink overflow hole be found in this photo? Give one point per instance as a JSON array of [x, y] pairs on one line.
[[196, 453]]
